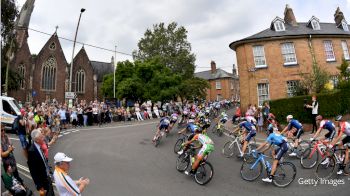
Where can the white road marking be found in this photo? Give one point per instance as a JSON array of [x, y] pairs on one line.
[[11, 138], [60, 135], [66, 133], [23, 167], [132, 125], [75, 131]]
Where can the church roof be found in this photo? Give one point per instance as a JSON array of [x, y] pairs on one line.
[[101, 69], [207, 75]]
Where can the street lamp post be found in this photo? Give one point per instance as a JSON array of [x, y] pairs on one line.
[[75, 39], [115, 56]]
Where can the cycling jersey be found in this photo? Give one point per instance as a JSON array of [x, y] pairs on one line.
[[207, 144], [165, 121], [203, 139], [345, 128], [294, 123], [192, 127], [327, 124], [276, 139], [174, 117], [248, 126], [271, 128]]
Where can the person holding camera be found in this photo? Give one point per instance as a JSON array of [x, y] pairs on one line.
[[314, 112]]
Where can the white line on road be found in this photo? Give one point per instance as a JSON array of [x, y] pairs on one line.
[[133, 125], [66, 133], [11, 138], [23, 167], [75, 131], [60, 136]]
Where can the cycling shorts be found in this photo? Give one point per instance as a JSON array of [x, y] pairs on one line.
[[330, 135], [223, 121], [173, 121], [250, 135], [346, 140], [298, 133], [283, 148], [205, 150], [163, 126]]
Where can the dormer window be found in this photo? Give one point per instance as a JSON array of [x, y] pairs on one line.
[[345, 25], [315, 25], [279, 26]]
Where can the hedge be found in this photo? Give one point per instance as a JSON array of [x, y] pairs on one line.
[[330, 105]]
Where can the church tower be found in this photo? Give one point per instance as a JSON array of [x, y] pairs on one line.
[[22, 22]]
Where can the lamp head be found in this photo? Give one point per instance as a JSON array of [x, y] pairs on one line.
[[82, 10]]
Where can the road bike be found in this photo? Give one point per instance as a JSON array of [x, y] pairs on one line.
[[302, 146], [310, 156], [161, 134], [326, 167], [205, 170], [234, 147], [178, 144], [254, 163]]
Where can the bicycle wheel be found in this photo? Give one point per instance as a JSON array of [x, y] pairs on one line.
[[204, 173], [156, 143], [178, 145], [182, 162], [285, 174], [325, 168], [220, 132], [308, 159], [230, 149], [250, 173]]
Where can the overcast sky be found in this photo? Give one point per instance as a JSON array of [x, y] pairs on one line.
[[211, 24]]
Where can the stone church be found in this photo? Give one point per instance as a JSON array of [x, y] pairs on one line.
[[46, 75]]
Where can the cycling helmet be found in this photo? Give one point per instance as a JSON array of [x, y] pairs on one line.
[[192, 116], [319, 117], [289, 116], [196, 129], [338, 118]]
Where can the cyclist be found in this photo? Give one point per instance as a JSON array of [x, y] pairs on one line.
[[207, 147], [344, 129], [173, 119], [275, 138], [163, 124], [295, 128], [272, 124], [249, 131], [324, 124]]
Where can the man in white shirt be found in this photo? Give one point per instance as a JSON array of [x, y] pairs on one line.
[[64, 183]]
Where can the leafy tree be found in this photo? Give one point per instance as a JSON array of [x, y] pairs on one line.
[[8, 15], [313, 82], [344, 76], [170, 45], [194, 88]]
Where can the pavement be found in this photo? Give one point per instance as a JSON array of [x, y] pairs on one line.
[[120, 159]]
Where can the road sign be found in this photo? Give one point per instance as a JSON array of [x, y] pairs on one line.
[[70, 95]]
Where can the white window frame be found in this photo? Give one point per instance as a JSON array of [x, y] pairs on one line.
[[345, 48], [315, 25], [259, 56], [329, 52], [263, 96], [219, 97], [288, 53], [291, 87], [334, 80], [279, 26], [345, 26], [218, 84]]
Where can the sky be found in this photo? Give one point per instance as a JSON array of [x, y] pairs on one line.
[[211, 24]]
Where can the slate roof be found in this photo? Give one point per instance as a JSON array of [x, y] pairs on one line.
[[207, 75], [101, 69], [302, 29]]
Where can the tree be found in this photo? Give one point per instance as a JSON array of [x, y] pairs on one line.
[[313, 82], [193, 88], [344, 76], [8, 15], [170, 45]]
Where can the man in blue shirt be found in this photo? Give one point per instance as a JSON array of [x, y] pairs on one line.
[[277, 139], [294, 128], [249, 131]]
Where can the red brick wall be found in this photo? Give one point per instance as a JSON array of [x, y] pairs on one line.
[[225, 91]]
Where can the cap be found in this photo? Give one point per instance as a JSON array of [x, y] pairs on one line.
[[61, 157], [289, 117]]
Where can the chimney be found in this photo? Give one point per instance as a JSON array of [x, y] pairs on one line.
[[289, 16], [338, 17], [213, 66], [234, 70]]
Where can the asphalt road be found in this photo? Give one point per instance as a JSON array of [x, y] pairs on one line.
[[122, 160]]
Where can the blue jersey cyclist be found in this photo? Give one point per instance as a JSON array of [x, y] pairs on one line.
[[325, 124], [163, 124], [278, 140], [294, 128], [249, 131], [191, 128]]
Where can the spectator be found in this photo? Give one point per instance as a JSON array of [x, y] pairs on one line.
[[314, 112], [138, 114], [237, 114], [80, 116], [260, 119], [74, 117], [64, 183], [13, 184], [22, 124], [266, 110], [7, 154], [156, 111], [38, 165], [62, 113]]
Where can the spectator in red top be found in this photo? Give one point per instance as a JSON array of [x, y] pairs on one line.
[[237, 114]]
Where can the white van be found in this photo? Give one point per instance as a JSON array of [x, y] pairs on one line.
[[9, 110]]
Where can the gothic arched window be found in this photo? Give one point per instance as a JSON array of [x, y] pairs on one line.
[[48, 76], [80, 81], [22, 72]]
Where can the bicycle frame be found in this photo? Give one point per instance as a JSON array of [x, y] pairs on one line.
[[261, 158], [317, 147]]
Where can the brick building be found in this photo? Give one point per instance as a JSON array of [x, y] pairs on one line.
[[46, 75], [223, 85], [270, 62]]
